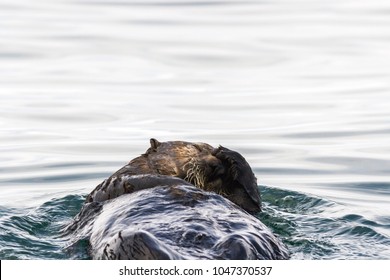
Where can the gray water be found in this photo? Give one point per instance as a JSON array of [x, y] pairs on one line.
[[300, 88]]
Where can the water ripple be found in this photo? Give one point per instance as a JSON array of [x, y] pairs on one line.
[[301, 220], [304, 222], [301, 90]]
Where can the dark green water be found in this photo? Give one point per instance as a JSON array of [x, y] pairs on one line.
[[303, 222]]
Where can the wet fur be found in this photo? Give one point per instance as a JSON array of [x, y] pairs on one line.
[[151, 209], [219, 170], [172, 219]]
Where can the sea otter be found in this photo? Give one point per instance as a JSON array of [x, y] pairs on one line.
[[219, 170], [172, 219], [178, 200]]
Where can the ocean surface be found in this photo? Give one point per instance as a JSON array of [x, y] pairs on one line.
[[300, 88]]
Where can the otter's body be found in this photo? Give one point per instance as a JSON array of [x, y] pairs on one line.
[[178, 200], [173, 220]]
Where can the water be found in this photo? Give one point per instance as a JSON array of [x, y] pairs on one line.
[[300, 88]]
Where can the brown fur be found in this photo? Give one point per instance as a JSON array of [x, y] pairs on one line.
[[213, 169]]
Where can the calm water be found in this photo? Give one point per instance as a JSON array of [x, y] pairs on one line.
[[300, 88]]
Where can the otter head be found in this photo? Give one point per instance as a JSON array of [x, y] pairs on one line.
[[239, 184], [205, 170], [192, 162], [218, 170]]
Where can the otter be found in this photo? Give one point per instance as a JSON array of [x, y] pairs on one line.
[[172, 219], [178, 200], [219, 170]]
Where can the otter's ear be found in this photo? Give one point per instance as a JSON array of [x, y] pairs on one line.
[[198, 147], [154, 143]]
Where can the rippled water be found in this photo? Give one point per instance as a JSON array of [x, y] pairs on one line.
[[300, 88]]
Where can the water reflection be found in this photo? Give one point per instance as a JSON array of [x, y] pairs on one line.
[[301, 90]]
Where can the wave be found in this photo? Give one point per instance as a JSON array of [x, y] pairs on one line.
[[307, 224]]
